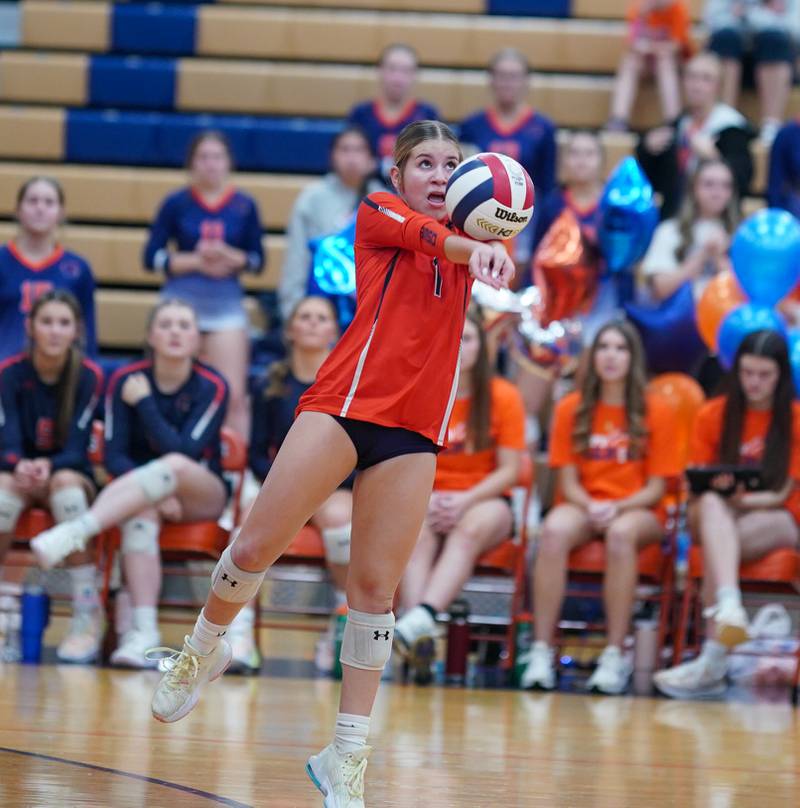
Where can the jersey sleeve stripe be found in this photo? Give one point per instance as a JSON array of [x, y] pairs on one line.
[[216, 402], [392, 214], [112, 384]]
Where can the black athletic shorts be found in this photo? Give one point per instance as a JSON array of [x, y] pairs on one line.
[[375, 443]]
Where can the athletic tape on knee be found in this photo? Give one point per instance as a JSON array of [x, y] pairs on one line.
[[140, 536], [337, 544], [157, 480], [230, 583], [10, 509], [367, 641], [68, 503]]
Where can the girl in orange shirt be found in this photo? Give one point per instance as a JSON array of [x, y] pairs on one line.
[[614, 447], [757, 423], [469, 512], [380, 403]]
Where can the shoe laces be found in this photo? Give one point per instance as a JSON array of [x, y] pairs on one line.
[[353, 775], [179, 667]]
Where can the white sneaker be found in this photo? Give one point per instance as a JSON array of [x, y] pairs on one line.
[[185, 674], [414, 625], [539, 673], [245, 656], [84, 637], [54, 545], [132, 650], [732, 623], [701, 678], [611, 674], [340, 778]]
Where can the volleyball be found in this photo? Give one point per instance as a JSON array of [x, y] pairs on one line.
[[490, 196]]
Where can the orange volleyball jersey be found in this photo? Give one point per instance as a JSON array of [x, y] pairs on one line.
[[607, 470], [397, 363], [707, 436], [458, 469]]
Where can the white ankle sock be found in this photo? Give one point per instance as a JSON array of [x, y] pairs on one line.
[[715, 652], [145, 618], [729, 593], [84, 587], [206, 635], [87, 524], [351, 732]]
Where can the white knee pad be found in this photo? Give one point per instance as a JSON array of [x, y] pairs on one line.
[[68, 503], [337, 544], [232, 584], [10, 508], [367, 641], [140, 536], [157, 480]]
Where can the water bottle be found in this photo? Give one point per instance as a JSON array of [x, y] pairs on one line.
[[10, 644], [523, 640], [645, 656], [338, 638], [35, 617], [457, 643]]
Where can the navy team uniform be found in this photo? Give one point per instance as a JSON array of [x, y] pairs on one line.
[[184, 219], [22, 283], [186, 421], [28, 416]]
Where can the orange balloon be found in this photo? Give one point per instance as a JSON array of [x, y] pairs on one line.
[[564, 270], [722, 295], [685, 396]]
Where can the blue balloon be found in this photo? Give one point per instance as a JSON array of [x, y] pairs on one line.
[[741, 322], [794, 357], [669, 332], [766, 255], [628, 216], [334, 262]]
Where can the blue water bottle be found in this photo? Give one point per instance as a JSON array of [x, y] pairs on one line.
[[35, 617]]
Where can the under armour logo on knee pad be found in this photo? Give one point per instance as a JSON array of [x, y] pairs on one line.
[[233, 583], [381, 635]]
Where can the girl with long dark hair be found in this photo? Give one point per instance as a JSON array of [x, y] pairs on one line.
[[757, 422], [614, 447]]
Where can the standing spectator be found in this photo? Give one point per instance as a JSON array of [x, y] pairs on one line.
[[614, 447], [324, 207], [706, 130], [783, 186], [761, 32], [33, 263], [203, 238], [163, 420], [469, 510], [48, 395], [383, 118], [658, 36], [510, 126]]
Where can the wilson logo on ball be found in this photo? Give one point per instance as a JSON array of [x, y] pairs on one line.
[[490, 196]]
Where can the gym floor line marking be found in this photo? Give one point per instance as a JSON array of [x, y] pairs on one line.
[[195, 792]]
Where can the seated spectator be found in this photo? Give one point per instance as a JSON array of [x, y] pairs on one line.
[[693, 248], [614, 447], [756, 423], [203, 238], [34, 262], [48, 395], [469, 510], [311, 331], [324, 207], [658, 36], [763, 32], [510, 126], [707, 130], [783, 185], [383, 118], [163, 421]]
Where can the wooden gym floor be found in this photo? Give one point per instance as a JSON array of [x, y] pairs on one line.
[[83, 736]]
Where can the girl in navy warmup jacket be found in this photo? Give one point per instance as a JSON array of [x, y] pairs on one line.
[[48, 394], [163, 420]]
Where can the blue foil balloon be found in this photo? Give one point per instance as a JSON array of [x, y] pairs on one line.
[[766, 255], [794, 358], [741, 322], [628, 216], [669, 332], [334, 262]]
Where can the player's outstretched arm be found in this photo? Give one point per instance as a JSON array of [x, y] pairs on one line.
[[488, 261]]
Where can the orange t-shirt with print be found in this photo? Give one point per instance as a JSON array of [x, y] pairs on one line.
[[606, 470], [707, 436], [670, 22], [456, 468]]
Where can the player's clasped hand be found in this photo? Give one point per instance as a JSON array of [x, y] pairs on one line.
[[491, 264]]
